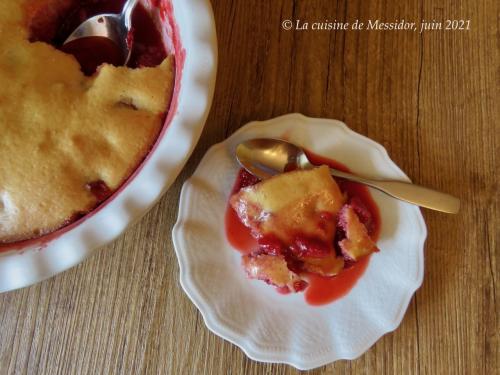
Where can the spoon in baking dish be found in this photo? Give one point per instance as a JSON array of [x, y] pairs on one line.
[[265, 157], [108, 32]]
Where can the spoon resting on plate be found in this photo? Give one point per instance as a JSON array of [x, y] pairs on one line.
[[107, 34], [266, 157]]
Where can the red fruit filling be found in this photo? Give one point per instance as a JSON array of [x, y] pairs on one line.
[[99, 189], [290, 266], [310, 247]]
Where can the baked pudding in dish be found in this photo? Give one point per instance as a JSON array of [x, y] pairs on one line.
[[304, 224], [70, 140]]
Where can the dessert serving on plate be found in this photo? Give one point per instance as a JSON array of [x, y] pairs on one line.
[[371, 294], [306, 229], [70, 138]]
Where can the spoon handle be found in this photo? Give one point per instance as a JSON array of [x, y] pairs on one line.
[[415, 194]]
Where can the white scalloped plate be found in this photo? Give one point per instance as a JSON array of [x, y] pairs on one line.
[[195, 82], [271, 327]]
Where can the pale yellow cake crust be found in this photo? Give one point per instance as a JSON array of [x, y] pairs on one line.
[[60, 130], [291, 203]]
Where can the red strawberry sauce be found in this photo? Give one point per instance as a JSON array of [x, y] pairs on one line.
[[321, 290]]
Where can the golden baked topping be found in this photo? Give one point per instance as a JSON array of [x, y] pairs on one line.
[[64, 134], [291, 202]]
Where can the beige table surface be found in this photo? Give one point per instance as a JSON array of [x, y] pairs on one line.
[[431, 99]]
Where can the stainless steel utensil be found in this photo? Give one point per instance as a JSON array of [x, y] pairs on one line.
[[115, 27], [265, 157]]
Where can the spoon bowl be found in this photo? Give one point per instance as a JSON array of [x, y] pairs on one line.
[[115, 28], [266, 157]]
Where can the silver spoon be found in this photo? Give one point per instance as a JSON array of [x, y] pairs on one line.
[[266, 157], [115, 27]]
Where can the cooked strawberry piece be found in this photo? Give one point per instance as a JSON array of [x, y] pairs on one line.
[[245, 179], [273, 270], [311, 247], [357, 243], [294, 264], [364, 214], [271, 245], [299, 286], [99, 189]]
